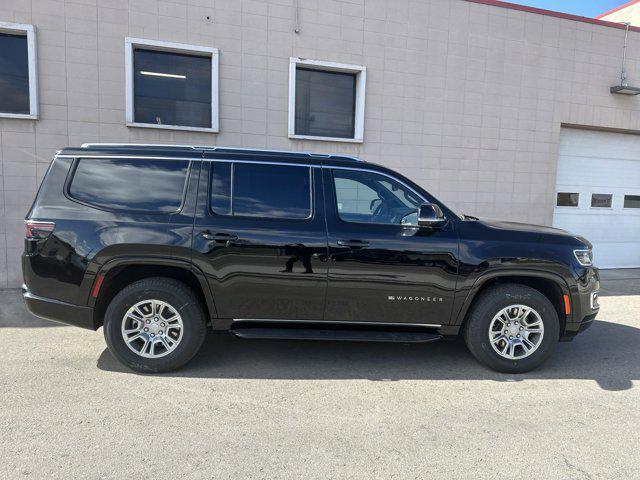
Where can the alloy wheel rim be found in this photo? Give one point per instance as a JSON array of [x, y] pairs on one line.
[[152, 328], [516, 331]]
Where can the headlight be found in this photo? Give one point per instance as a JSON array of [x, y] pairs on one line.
[[584, 257]]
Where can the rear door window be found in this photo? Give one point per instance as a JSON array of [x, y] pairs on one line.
[[154, 186], [261, 190]]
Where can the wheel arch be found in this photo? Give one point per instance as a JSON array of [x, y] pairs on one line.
[[550, 285], [117, 273]]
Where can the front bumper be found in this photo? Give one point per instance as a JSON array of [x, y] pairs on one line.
[[51, 309], [584, 303]]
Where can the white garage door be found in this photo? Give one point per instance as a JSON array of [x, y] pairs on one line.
[[598, 193]]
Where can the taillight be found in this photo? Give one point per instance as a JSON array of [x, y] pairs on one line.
[[38, 230]]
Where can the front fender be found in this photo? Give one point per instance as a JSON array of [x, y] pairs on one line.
[[466, 296]]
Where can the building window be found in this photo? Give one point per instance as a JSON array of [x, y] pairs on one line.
[[171, 85], [265, 191], [601, 200], [632, 201], [326, 100], [18, 75], [567, 199]]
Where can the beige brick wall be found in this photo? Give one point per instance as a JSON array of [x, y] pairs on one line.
[[465, 98]]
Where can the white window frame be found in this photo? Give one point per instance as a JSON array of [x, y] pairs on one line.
[[30, 31], [131, 43], [361, 78]]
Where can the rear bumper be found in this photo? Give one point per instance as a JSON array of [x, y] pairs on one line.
[[58, 311]]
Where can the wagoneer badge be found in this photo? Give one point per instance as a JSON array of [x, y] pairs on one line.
[[414, 299]]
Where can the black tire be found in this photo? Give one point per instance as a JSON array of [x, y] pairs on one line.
[[176, 294], [476, 333]]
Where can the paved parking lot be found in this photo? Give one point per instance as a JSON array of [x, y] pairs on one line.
[[266, 409]]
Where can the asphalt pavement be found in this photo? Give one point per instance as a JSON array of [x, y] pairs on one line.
[[295, 410]]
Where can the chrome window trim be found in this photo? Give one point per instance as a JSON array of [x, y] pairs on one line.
[[72, 172], [264, 162], [368, 170], [233, 162], [384, 175]]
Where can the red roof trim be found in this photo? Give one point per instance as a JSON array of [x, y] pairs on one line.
[[620, 7], [551, 13]]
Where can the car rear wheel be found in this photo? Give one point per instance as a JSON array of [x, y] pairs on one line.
[[155, 325], [512, 328]]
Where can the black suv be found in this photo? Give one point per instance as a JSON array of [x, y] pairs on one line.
[[154, 243]]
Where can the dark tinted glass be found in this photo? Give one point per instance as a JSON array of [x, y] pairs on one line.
[[566, 199], [632, 201], [272, 191], [601, 200], [122, 184], [172, 88], [14, 74], [221, 188], [325, 103]]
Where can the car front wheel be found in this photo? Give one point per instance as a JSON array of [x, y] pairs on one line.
[[512, 328]]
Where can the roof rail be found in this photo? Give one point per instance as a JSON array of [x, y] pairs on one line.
[[222, 149], [107, 144]]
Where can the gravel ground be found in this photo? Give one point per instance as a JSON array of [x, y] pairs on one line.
[[267, 409]]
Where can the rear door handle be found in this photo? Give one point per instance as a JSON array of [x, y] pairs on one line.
[[219, 237], [353, 243]]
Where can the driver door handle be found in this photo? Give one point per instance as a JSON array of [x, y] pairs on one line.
[[219, 237], [353, 243]]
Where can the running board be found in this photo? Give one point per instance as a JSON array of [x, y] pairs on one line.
[[340, 335]]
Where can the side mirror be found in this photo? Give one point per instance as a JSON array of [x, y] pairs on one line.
[[430, 215]]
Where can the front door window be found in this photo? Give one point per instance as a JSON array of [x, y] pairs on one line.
[[367, 197]]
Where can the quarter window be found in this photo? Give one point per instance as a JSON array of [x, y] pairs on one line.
[[256, 190], [171, 85], [326, 100], [632, 201], [18, 86], [367, 197], [567, 199], [154, 186], [601, 200]]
